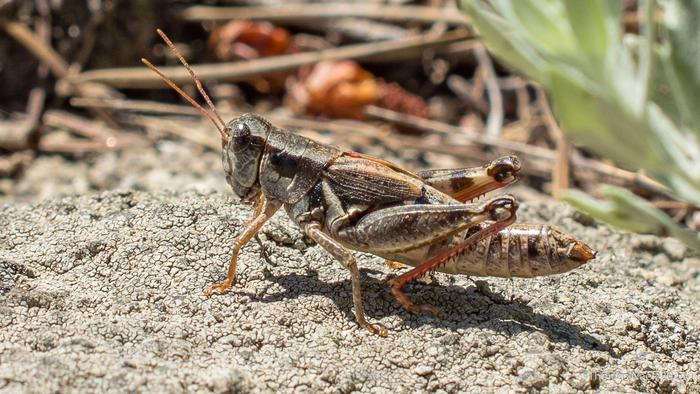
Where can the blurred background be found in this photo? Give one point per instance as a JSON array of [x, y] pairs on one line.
[[596, 98]]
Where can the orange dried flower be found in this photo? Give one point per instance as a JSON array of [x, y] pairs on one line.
[[332, 88], [342, 89]]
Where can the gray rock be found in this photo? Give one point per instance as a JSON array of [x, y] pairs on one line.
[[674, 248], [104, 293]]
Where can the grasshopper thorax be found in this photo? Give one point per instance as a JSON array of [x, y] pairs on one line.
[[242, 153]]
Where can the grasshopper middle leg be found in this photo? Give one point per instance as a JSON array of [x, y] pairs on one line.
[[344, 256]]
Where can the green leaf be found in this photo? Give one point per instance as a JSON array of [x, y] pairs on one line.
[[626, 210], [544, 25], [682, 168], [596, 26], [681, 21], [608, 212], [661, 92], [503, 40], [588, 116]]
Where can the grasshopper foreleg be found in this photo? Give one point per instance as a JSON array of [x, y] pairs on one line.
[[264, 209], [344, 256]]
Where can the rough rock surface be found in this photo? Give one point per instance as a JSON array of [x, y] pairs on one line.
[[104, 293]]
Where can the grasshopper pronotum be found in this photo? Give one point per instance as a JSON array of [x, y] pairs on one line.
[[349, 201]]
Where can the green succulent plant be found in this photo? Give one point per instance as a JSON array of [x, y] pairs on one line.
[[633, 98]]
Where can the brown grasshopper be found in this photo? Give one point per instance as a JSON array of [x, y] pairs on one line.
[[349, 201]]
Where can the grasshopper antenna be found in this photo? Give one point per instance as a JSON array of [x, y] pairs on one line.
[[185, 96], [192, 74], [221, 125]]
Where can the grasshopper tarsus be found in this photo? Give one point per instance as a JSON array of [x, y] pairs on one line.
[[219, 288], [378, 329], [349, 201], [394, 265], [375, 328], [408, 305]]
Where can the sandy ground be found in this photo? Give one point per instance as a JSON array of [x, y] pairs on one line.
[[104, 293]]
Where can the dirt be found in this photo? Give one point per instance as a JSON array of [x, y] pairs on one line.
[[103, 292]]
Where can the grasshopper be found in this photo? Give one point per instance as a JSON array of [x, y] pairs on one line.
[[348, 201]]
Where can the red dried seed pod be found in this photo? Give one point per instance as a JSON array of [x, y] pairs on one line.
[[249, 40], [396, 98]]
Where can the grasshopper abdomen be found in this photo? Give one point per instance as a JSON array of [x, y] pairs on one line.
[[522, 251]]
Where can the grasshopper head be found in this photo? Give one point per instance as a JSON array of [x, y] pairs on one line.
[[242, 153], [243, 139]]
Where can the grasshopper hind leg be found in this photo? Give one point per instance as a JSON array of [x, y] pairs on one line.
[[344, 256], [398, 283], [464, 184], [398, 229]]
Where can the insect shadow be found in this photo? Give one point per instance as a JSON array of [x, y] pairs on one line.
[[474, 306]]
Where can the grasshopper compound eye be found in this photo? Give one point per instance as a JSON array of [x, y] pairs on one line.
[[240, 136]]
